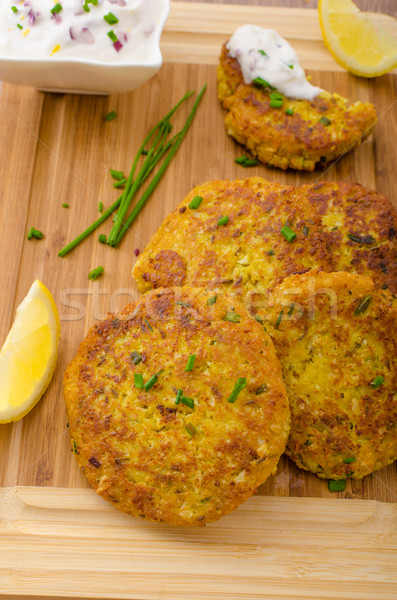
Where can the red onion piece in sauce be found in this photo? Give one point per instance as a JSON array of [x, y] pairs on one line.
[[117, 45], [83, 35]]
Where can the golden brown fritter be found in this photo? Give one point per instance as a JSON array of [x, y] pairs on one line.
[[178, 463], [315, 134], [248, 253], [335, 335], [361, 229]]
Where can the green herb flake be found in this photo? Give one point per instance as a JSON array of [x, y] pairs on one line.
[[178, 396], [102, 238], [377, 382], [261, 389], [190, 428], [111, 115], [289, 235], [238, 386], [35, 233], [262, 52], [116, 174], [291, 309], [195, 203], [138, 381], [190, 362], [136, 357], [19, 26], [148, 324], [240, 160], [211, 300], [349, 460], [337, 486], [182, 303], [232, 317], [14, 9], [305, 231], [150, 382], [270, 253], [112, 36], [56, 9], [100, 207], [95, 273], [289, 111], [187, 401], [260, 82], [65, 205], [279, 319], [325, 121], [364, 304], [120, 184], [223, 221], [74, 447], [251, 162], [276, 100], [111, 19]]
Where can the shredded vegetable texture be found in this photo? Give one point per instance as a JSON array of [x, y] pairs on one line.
[[157, 148]]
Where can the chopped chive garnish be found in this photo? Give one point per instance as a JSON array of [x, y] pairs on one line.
[[190, 362], [74, 447], [232, 317], [120, 183], [262, 52], [240, 160], [116, 174], [195, 203], [377, 382], [276, 100], [138, 381], [251, 162], [136, 357], [362, 307], [325, 121], [111, 19], [111, 115], [354, 238], [261, 389], [56, 9], [190, 428], [305, 231], [150, 382], [289, 111], [238, 386], [187, 401], [161, 149], [182, 303], [178, 396], [337, 486], [349, 460], [35, 233], [291, 309], [100, 207], [148, 324], [288, 233], [65, 205], [102, 238], [270, 252], [279, 319], [263, 83], [112, 36], [95, 273], [223, 221], [14, 9], [19, 26], [257, 318], [211, 300]]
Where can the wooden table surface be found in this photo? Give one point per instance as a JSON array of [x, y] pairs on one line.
[[386, 6]]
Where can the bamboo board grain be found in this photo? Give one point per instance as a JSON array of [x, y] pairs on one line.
[[58, 148], [284, 548]]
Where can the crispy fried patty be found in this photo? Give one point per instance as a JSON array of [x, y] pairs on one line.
[[337, 227], [335, 335], [185, 463], [317, 131]]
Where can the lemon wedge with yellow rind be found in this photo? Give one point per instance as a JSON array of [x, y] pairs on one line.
[[358, 43], [29, 354]]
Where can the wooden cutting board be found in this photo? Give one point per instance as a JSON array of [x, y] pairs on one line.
[[57, 538]]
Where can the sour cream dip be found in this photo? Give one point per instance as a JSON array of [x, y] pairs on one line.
[[264, 53], [114, 31]]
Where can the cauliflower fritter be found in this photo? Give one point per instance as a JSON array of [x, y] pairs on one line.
[[183, 458], [248, 253], [335, 336], [302, 134]]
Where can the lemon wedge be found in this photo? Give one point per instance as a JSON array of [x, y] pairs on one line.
[[356, 41], [28, 356]]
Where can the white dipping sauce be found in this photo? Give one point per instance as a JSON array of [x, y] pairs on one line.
[[31, 30], [264, 53]]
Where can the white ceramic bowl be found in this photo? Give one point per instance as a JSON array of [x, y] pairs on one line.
[[86, 76]]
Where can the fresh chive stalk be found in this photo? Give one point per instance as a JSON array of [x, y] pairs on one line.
[[95, 273], [116, 174], [138, 381], [179, 395]]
